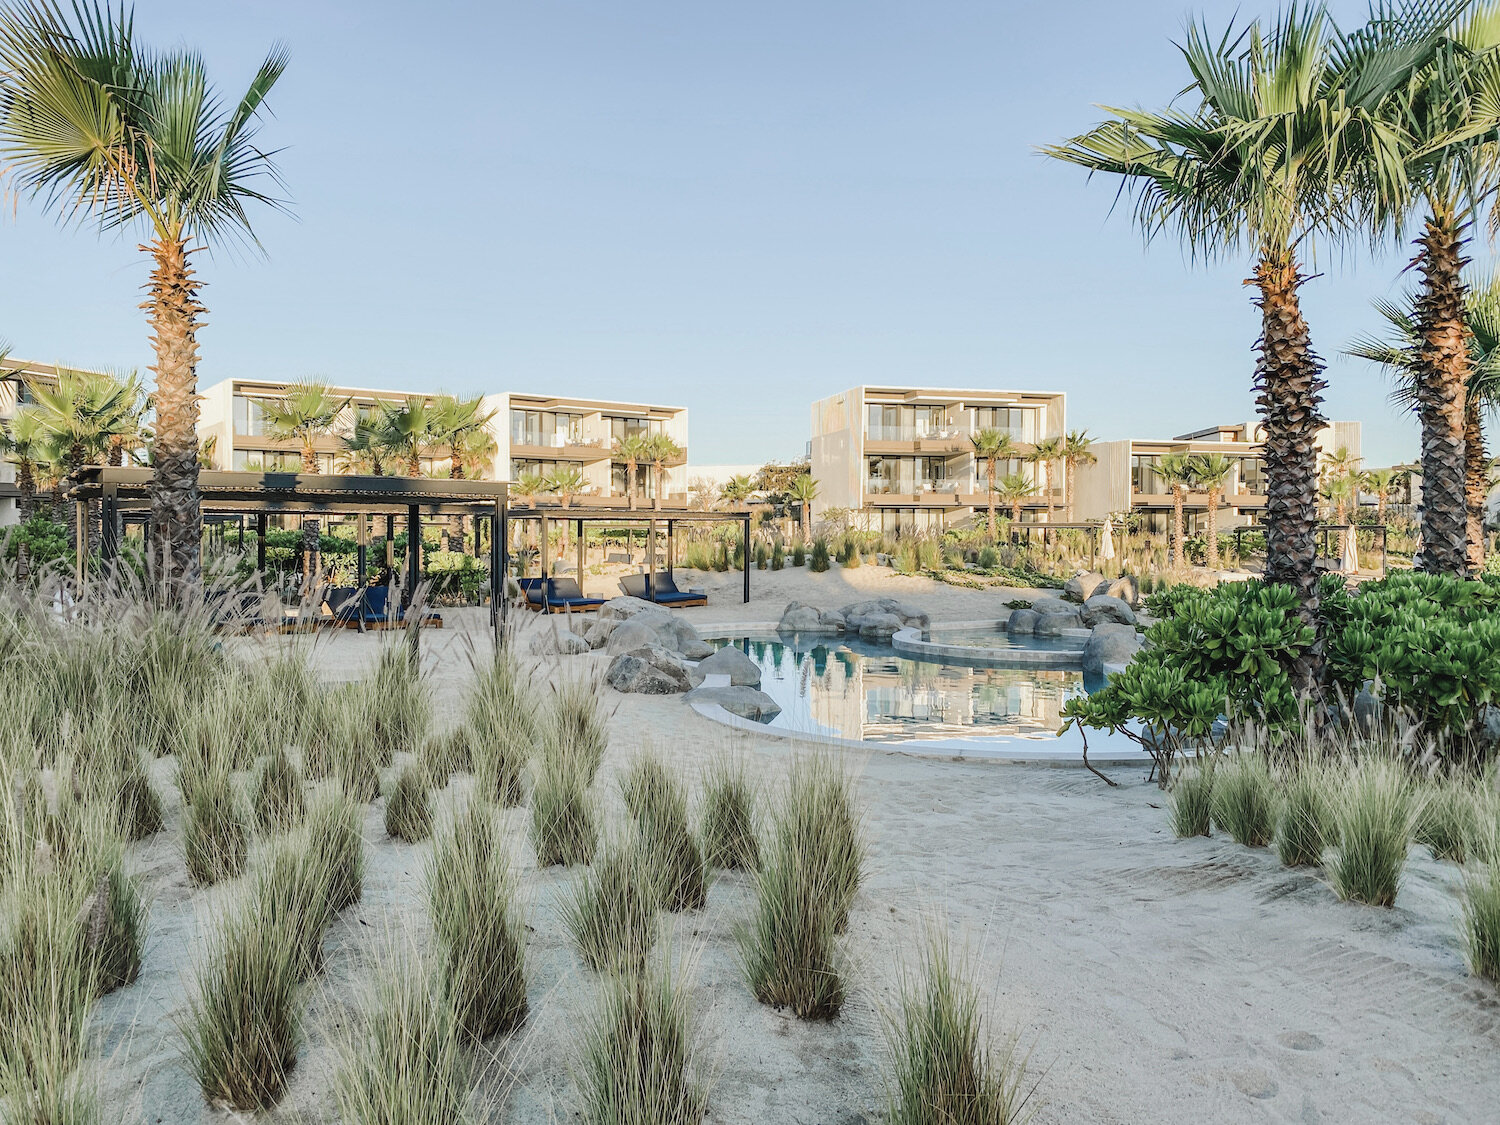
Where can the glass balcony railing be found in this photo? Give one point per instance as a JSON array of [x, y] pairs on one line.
[[879, 486], [914, 433]]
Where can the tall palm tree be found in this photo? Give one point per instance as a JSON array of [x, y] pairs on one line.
[[86, 411], [407, 432], [360, 450], [660, 448], [526, 488], [632, 449], [1210, 472], [1286, 115], [463, 425], [566, 482], [24, 441], [1179, 471], [305, 412], [1382, 483], [1075, 452], [1014, 490], [804, 490], [737, 489], [95, 125], [992, 445], [1043, 454]]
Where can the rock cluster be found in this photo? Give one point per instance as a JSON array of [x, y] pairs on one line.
[[876, 619], [1088, 583]]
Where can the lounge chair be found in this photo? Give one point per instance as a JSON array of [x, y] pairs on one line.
[[565, 596], [372, 610], [663, 591], [534, 590]]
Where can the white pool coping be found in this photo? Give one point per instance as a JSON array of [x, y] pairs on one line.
[[909, 641]]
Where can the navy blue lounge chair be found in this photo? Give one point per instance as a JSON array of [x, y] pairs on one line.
[[534, 590], [373, 611], [663, 591], [565, 596]]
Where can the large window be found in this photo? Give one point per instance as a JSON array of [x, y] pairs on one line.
[[276, 461], [545, 427], [622, 428], [645, 480], [1024, 423], [249, 416], [543, 468], [908, 521], [904, 423], [1253, 476], [1145, 474], [908, 475]]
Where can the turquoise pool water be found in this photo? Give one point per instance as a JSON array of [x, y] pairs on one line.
[[848, 688]]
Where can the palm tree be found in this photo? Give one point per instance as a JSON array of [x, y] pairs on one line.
[[406, 432], [93, 124], [304, 413], [1381, 482], [1075, 452], [1043, 454], [86, 411], [804, 490], [526, 488], [737, 489], [566, 482], [1209, 473], [463, 426], [131, 433], [993, 446], [1286, 116], [24, 440], [631, 449], [1014, 490], [660, 448], [360, 449], [1179, 472]]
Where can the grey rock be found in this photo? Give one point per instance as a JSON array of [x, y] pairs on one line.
[[648, 670], [1053, 624], [1101, 608], [657, 626], [1109, 643], [1127, 589], [632, 633], [599, 632], [747, 702], [731, 662], [685, 639], [556, 642], [875, 626], [909, 614], [1367, 711], [1044, 606], [621, 608], [801, 618], [1083, 584], [1021, 622]]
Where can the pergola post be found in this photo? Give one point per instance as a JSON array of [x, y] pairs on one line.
[[414, 576], [651, 560], [109, 530], [746, 558], [581, 554], [260, 543], [390, 543], [499, 593], [671, 546], [81, 522]]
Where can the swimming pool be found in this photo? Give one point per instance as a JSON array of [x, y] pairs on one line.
[[849, 688]]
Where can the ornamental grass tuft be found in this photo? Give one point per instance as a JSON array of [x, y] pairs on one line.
[[1192, 797], [408, 810], [1305, 825], [1244, 799], [659, 806], [611, 911], [1375, 813], [728, 817]]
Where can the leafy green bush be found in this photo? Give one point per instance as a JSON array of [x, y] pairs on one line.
[[45, 541], [988, 558]]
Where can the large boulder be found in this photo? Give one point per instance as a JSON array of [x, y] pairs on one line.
[[657, 627], [747, 702], [731, 662], [1053, 624], [599, 631], [1021, 622], [558, 642], [618, 609], [908, 614], [1043, 606], [632, 633], [1083, 584], [1127, 588], [876, 626], [1110, 643], [1101, 608], [648, 670], [801, 618]]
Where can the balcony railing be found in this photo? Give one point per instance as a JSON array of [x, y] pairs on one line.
[[555, 441], [916, 433], [879, 486]]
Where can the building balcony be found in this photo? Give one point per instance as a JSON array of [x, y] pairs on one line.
[[1197, 500], [558, 447]]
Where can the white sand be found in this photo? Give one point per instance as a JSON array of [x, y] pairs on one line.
[[1151, 979]]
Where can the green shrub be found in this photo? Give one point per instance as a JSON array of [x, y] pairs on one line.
[[403, 1062], [472, 895], [1244, 800], [819, 561], [240, 1027], [762, 557], [799, 553], [944, 1068], [276, 795], [988, 558], [564, 823], [1375, 815], [408, 813], [1481, 921], [503, 729], [611, 911], [729, 817], [637, 1054], [659, 807], [1192, 797], [1305, 825], [778, 557]]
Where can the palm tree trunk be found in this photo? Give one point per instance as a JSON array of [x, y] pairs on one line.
[[630, 483], [1441, 375], [174, 562], [1177, 499], [1070, 468], [1213, 529], [309, 459], [656, 500], [1476, 485], [26, 486], [1289, 378], [990, 464], [1015, 516]]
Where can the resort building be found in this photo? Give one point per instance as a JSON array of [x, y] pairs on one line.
[[1127, 478], [533, 433], [903, 457]]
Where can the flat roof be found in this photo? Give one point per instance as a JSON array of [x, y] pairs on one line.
[[956, 392]]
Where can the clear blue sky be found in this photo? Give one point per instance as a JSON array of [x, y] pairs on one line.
[[739, 208]]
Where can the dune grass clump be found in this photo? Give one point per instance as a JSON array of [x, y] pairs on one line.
[[1481, 914], [215, 839], [637, 1066], [276, 793], [1375, 813], [501, 728], [403, 1062], [611, 912], [728, 818], [112, 925], [945, 1071], [398, 703], [1192, 801], [447, 753], [575, 726], [473, 897], [240, 1029], [335, 833], [138, 806], [408, 812], [564, 825], [1244, 800], [659, 806], [1448, 818], [341, 742], [1305, 825], [805, 886], [291, 887]]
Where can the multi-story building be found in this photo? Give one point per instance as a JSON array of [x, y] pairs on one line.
[[903, 455], [1127, 478], [532, 434]]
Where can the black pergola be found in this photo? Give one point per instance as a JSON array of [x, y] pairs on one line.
[[125, 492], [619, 517]]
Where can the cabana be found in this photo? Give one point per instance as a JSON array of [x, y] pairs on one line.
[[123, 494]]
